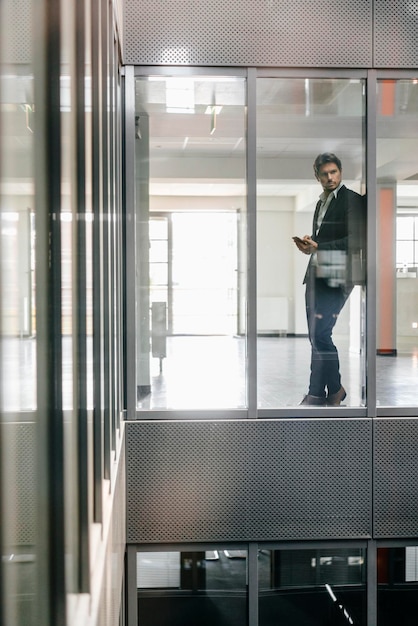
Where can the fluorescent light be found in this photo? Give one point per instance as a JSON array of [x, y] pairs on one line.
[[331, 593], [179, 95], [213, 108]]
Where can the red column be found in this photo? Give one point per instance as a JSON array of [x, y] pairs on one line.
[[386, 270]]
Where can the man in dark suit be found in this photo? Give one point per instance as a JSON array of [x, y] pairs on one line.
[[337, 261]]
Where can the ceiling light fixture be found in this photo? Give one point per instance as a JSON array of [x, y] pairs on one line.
[[213, 111]]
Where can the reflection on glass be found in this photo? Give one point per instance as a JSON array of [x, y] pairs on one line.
[[18, 310], [19, 419], [68, 291], [205, 588], [205, 291], [397, 579], [88, 210], [158, 251], [296, 121], [191, 234], [397, 237], [309, 587]]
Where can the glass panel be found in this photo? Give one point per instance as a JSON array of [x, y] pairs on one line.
[[404, 254], [191, 242], [69, 293], [158, 274], [158, 229], [297, 119], [397, 592], [405, 227], [89, 213], [310, 587], [20, 454], [205, 291], [205, 588], [397, 237], [158, 251]]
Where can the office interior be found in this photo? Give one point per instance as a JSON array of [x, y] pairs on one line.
[[156, 465]]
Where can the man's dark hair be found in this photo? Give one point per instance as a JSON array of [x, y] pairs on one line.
[[326, 157]]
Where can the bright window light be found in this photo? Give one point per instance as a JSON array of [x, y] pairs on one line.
[[179, 95]]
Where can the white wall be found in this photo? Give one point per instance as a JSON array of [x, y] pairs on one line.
[[15, 259], [406, 307], [275, 267], [280, 266]]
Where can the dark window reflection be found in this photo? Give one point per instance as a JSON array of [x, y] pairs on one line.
[[312, 587], [192, 588], [397, 577]]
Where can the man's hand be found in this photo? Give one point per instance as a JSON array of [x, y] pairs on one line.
[[306, 245]]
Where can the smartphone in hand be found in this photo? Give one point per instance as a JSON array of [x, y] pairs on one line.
[[299, 240]]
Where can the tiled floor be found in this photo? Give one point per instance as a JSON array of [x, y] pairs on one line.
[[210, 373]]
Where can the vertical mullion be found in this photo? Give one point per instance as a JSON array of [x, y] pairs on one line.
[[105, 241], [112, 224], [131, 585], [48, 318], [371, 147], [371, 139], [169, 242], [371, 583], [50, 540], [121, 300], [54, 295], [253, 584], [130, 259], [96, 247], [81, 290], [116, 242], [371, 160], [251, 239]]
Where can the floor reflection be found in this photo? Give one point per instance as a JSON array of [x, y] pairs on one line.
[[210, 373]]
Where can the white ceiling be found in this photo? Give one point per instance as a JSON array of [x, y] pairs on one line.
[[203, 154], [296, 119]]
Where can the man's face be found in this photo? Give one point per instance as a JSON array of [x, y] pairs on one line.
[[329, 176]]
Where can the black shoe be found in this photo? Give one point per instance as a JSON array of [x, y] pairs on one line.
[[313, 400], [336, 398]]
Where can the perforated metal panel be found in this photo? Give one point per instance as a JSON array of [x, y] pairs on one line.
[[20, 483], [248, 480], [17, 47], [115, 550], [396, 27], [249, 32], [396, 478]]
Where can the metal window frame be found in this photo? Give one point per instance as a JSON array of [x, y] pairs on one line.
[[83, 558], [251, 75], [371, 77], [130, 239], [50, 440], [371, 411], [252, 549], [96, 247], [105, 244]]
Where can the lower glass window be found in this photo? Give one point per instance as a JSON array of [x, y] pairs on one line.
[[397, 578], [189, 588], [312, 587]]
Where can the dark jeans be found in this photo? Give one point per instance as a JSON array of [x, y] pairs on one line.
[[323, 305]]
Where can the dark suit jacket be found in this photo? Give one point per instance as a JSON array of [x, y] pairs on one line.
[[340, 258]]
